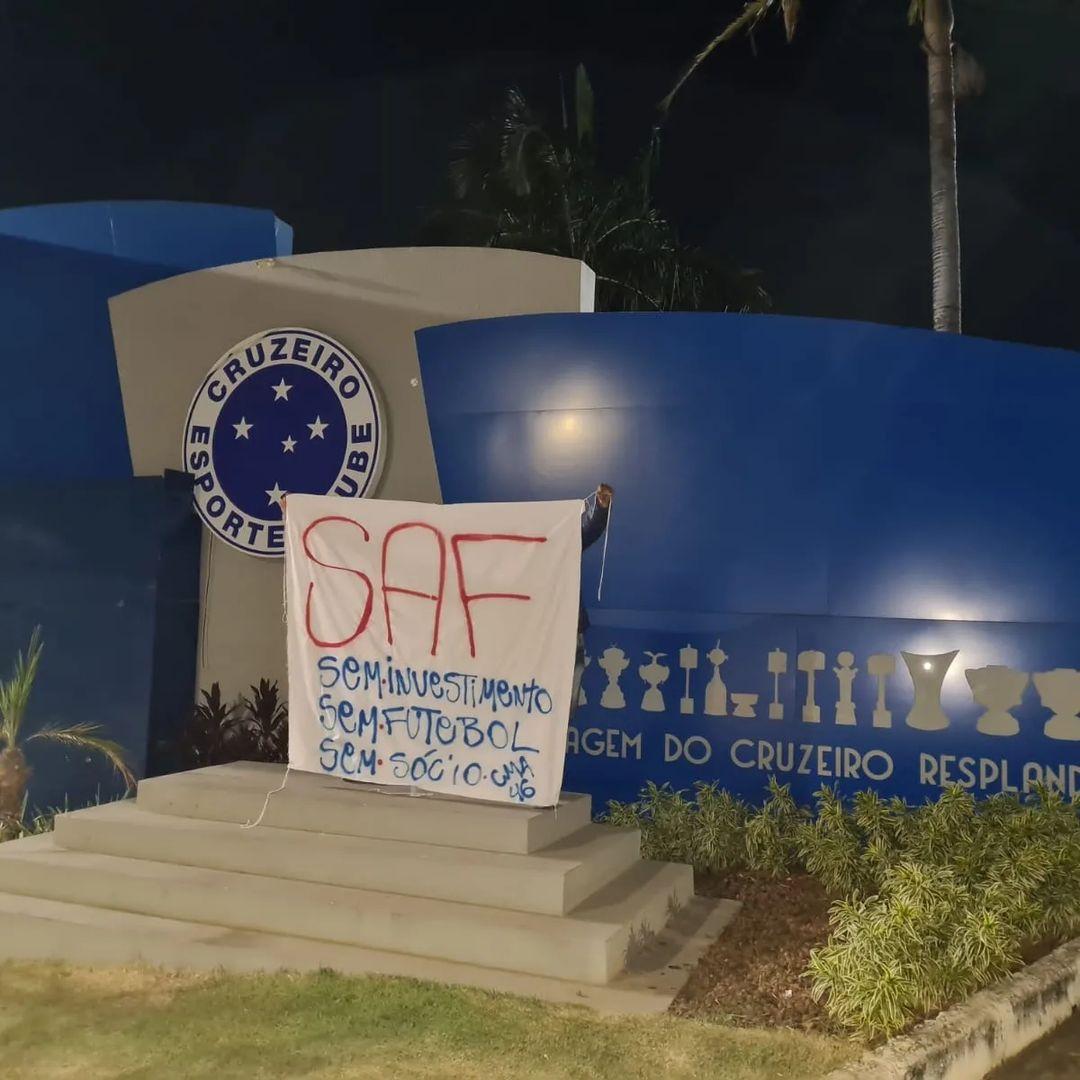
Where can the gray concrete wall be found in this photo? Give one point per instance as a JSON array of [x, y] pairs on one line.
[[169, 334]]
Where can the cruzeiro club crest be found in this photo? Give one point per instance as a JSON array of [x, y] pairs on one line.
[[283, 411]]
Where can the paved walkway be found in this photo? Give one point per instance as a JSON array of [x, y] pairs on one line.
[[1054, 1057]]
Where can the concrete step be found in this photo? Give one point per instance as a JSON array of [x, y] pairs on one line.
[[36, 929], [315, 803], [592, 945], [553, 881]]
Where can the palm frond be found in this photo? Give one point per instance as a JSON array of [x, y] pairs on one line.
[[791, 9], [15, 692], [753, 12], [584, 108], [83, 736], [518, 183]]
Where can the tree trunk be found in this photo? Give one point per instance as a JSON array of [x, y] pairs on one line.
[[14, 778], [944, 214]]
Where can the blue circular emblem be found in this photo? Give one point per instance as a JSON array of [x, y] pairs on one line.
[[283, 411]]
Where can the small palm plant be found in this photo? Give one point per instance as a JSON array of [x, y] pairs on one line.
[[213, 725], [15, 772], [263, 723]]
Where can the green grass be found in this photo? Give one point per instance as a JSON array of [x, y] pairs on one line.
[[92, 1024]]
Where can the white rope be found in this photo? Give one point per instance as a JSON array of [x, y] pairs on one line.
[[285, 779], [266, 802], [203, 615], [607, 531], [284, 592], [284, 573], [603, 554]]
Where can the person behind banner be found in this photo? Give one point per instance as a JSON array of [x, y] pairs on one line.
[[593, 523]]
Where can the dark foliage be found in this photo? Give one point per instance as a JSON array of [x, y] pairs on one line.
[[518, 182], [255, 728], [262, 724]]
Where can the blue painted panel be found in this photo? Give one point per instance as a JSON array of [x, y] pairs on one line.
[[795, 484], [613, 751], [91, 564], [810, 466], [61, 413], [183, 236]]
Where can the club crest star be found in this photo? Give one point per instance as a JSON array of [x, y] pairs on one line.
[[242, 428], [288, 446], [317, 428], [281, 391], [275, 494]]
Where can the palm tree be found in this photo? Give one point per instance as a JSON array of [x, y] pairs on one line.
[[946, 66], [15, 772], [518, 183]]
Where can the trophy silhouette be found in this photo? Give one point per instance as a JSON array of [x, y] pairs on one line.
[[688, 661], [881, 666], [581, 698], [744, 705], [927, 674], [997, 689], [845, 676], [654, 673], [613, 663], [1060, 692], [810, 661], [716, 691], [777, 667]]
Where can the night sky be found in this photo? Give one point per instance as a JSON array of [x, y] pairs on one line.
[[806, 161]]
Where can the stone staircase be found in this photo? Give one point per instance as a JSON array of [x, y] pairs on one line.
[[358, 879]]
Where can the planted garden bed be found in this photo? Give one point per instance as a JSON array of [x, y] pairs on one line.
[[869, 915]]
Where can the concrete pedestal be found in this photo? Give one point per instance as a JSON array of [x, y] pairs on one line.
[[338, 875]]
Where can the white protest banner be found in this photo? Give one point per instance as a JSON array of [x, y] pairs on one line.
[[433, 645]]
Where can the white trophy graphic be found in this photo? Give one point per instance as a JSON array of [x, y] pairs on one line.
[[581, 698], [845, 676], [997, 689], [716, 691], [777, 667], [881, 666], [688, 661], [927, 674], [810, 661], [1060, 692], [613, 663], [654, 673], [744, 705]]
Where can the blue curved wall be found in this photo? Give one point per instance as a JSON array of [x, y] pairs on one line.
[[106, 563], [61, 413], [797, 485]]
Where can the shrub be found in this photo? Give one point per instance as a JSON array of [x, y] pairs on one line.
[[708, 833], [832, 847], [772, 832], [253, 728], [717, 831], [970, 884], [663, 816], [924, 941], [262, 726]]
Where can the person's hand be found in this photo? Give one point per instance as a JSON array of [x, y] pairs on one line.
[[604, 495]]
